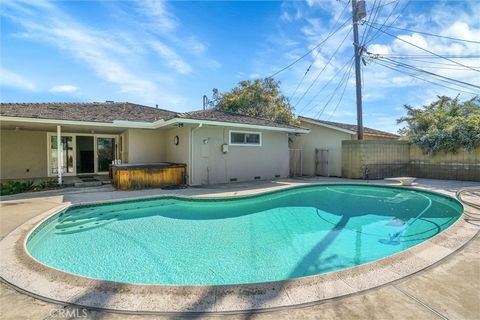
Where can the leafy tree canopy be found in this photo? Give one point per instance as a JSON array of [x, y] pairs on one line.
[[259, 98], [446, 124]]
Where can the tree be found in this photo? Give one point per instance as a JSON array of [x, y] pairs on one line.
[[259, 98], [446, 124]]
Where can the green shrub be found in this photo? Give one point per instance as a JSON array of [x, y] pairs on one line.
[[446, 124], [12, 187]]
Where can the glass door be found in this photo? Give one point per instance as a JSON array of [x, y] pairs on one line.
[[85, 154], [105, 153], [67, 155]]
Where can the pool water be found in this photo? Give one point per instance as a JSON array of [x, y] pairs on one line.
[[280, 235]]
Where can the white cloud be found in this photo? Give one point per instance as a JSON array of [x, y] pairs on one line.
[[65, 88], [14, 80], [159, 16], [171, 58], [110, 57]]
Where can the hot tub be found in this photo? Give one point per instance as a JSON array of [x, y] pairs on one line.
[[134, 176]]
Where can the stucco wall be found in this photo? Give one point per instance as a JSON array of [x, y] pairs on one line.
[[144, 146], [21, 151], [320, 138], [242, 163], [178, 153]]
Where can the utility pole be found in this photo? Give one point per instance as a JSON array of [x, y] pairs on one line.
[[358, 13]]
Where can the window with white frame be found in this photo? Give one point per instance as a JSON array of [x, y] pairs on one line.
[[245, 138]]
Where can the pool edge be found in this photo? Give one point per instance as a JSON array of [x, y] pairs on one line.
[[65, 288]]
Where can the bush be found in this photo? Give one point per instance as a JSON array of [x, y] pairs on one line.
[[446, 124], [13, 187]]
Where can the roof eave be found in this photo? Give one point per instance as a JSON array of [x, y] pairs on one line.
[[326, 125], [114, 124], [161, 123]]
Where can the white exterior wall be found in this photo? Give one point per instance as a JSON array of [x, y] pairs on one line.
[[178, 153], [321, 138], [243, 163], [143, 145]]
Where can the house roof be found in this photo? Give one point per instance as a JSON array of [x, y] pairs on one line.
[[231, 117], [109, 112], [89, 112], [348, 127]]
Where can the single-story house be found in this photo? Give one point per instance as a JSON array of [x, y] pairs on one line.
[[216, 146], [320, 151]]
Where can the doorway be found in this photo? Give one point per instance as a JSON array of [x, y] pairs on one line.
[[105, 153], [85, 154]]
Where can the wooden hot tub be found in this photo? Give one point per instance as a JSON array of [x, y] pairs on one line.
[[132, 176]]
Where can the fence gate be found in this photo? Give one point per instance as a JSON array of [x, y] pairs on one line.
[[321, 162], [295, 162]]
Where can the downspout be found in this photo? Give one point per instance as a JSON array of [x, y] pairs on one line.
[[192, 151]]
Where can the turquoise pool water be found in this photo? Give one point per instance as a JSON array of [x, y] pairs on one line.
[[275, 236]]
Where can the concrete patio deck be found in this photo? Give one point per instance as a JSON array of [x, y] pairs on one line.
[[449, 289]]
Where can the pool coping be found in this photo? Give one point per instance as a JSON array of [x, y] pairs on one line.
[[20, 270]]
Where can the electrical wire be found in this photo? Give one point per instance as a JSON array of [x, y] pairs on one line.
[[340, 83], [326, 84], [375, 35], [420, 78], [429, 34], [323, 69], [426, 50], [311, 50], [318, 52], [343, 93], [414, 68], [391, 24]]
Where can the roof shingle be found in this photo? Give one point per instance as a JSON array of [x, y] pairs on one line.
[[91, 112], [351, 127], [123, 111]]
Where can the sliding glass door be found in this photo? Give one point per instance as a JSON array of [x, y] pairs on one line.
[[82, 153], [66, 152], [105, 153], [85, 146]]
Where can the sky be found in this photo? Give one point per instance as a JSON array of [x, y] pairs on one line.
[[170, 54]]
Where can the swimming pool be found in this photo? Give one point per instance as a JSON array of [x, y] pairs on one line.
[[280, 235]]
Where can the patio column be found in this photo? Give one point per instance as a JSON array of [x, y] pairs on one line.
[[59, 154]]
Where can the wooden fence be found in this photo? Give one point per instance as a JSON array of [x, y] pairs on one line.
[[372, 159]]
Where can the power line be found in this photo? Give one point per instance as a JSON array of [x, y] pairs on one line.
[[436, 76], [426, 50], [311, 50], [420, 78], [435, 63], [375, 11], [429, 34], [377, 34], [318, 52], [344, 79], [401, 64], [324, 67], [325, 85], [424, 56], [343, 93]]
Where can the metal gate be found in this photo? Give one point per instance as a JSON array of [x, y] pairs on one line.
[[321, 162], [295, 161]]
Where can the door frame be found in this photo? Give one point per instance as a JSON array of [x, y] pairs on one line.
[[74, 145]]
